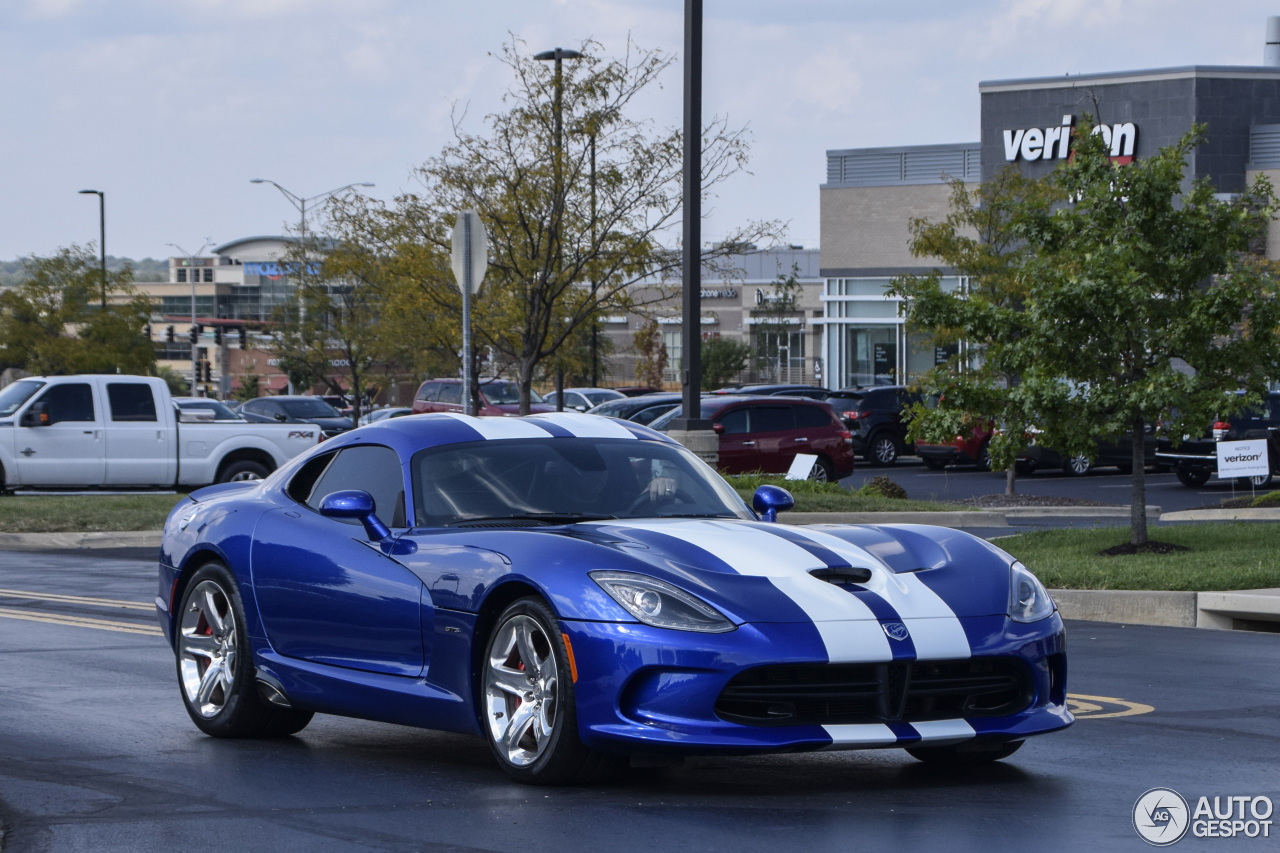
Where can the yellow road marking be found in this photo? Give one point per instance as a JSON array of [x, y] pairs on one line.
[[74, 599], [1101, 707], [80, 622]]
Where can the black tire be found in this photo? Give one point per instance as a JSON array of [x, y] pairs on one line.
[[531, 754], [245, 469], [1258, 482], [822, 471], [984, 458], [1195, 478], [1125, 469], [1077, 466], [215, 663], [934, 464], [1023, 468], [883, 450], [960, 754]]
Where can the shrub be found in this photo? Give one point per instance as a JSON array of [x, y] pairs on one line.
[[881, 486]]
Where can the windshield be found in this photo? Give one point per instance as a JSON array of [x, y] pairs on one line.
[[12, 398], [309, 407], [560, 480], [598, 397], [506, 393]]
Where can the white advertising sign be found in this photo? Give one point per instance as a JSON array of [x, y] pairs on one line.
[[801, 466], [1243, 458]]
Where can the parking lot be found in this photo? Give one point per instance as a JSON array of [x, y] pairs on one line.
[[96, 753]]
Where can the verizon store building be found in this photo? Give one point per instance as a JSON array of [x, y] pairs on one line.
[[871, 194]]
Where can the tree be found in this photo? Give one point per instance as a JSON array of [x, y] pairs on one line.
[[997, 381], [1139, 275], [574, 221], [722, 360], [52, 322], [651, 354]]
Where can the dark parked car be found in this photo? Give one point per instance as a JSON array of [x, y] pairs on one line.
[[766, 434], [1196, 459], [206, 408], [874, 417], [498, 397], [1117, 452], [813, 392], [297, 410], [637, 390], [641, 410]]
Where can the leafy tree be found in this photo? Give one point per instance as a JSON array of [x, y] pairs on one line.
[[53, 323], [1138, 275], [722, 360], [176, 384], [651, 354], [998, 381], [572, 223]]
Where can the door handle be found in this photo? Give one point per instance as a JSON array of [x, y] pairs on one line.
[[802, 439], [90, 432], [748, 444]]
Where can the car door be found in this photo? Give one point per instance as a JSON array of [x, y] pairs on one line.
[[140, 449], [777, 443], [325, 592], [68, 449], [738, 454]]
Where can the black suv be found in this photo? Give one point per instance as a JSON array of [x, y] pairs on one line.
[[874, 417], [1196, 459]]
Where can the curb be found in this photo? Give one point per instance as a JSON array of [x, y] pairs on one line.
[[1077, 512], [1244, 609], [72, 541], [1242, 514], [975, 518]]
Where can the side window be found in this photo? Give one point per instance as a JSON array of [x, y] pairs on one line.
[[305, 480], [131, 401], [811, 417], [371, 468], [451, 392], [70, 402], [735, 422], [772, 419], [429, 392], [252, 407]]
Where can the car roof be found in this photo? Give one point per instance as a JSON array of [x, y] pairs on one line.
[[409, 434]]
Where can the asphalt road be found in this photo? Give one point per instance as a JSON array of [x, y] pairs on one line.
[[1105, 484], [97, 753]]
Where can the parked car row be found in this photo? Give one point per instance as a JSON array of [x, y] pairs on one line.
[[1195, 459]]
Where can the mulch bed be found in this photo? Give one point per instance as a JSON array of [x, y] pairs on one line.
[[1151, 547]]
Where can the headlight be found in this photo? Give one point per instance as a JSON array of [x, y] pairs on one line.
[[660, 604], [1029, 601]]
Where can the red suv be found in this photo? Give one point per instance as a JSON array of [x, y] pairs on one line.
[[498, 398], [766, 433]]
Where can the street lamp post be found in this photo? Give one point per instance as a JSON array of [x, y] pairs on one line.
[[301, 203], [102, 237], [191, 258], [557, 167]]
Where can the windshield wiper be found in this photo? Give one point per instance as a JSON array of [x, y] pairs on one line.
[[547, 517]]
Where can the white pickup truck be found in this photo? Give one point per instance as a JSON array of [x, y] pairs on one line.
[[94, 431]]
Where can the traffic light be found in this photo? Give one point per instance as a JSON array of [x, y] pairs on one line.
[[244, 338], [168, 334], [206, 369], [147, 331], [217, 335], [194, 333]]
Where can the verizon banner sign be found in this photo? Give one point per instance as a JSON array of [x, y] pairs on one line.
[[1243, 458]]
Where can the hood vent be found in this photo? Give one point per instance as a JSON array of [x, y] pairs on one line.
[[843, 576]]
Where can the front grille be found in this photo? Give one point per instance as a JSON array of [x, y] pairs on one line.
[[898, 691]]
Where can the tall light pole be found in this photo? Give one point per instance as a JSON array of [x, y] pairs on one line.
[[557, 55], [102, 237], [692, 375], [191, 267]]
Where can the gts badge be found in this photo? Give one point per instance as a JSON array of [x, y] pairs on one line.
[[300, 434], [895, 631]]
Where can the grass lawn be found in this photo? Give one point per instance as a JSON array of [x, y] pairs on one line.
[[1222, 556], [80, 513]]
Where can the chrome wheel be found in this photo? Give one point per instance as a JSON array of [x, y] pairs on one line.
[[207, 649], [1078, 465], [884, 450], [243, 476], [522, 686]]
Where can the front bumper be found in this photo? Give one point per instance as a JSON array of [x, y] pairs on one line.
[[947, 453], [638, 692]]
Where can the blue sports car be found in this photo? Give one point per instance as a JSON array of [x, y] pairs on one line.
[[576, 590]]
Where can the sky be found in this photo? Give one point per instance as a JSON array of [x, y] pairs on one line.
[[170, 107]]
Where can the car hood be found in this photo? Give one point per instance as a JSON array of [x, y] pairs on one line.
[[514, 408], [756, 571]]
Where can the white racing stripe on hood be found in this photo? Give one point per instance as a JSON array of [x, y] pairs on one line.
[[935, 630], [586, 426], [849, 630], [500, 428]]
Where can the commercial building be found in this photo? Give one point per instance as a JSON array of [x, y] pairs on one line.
[[871, 194]]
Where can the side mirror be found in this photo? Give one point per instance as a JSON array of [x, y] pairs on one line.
[[771, 500], [718, 429], [36, 416], [355, 504], [281, 417], [579, 408]]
